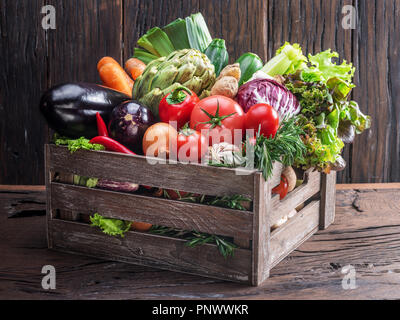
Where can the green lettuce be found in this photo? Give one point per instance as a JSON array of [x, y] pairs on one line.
[[112, 227], [337, 77]]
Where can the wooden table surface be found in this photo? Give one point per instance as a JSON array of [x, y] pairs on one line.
[[365, 235]]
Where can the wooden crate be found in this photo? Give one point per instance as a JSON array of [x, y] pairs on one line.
[[260, 249]]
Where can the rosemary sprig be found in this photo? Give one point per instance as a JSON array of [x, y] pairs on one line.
[[194, 239], [286, 147], [232, 202], [225, 247]]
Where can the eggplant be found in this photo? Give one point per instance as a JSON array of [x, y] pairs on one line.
[[128, 124], [70, 109]]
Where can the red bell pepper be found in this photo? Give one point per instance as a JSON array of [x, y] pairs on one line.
[[177, 106]]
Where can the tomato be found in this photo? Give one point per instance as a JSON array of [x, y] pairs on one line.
[[282, 189], [158, 139], [218, 117], [191, 146], [262, 117]]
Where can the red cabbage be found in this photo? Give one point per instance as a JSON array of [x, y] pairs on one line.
[[270, 92]]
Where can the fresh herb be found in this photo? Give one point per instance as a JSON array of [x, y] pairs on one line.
[[112, 227], [233, 202], [194, 239], [225, 247], [286, 147], [76, 144]]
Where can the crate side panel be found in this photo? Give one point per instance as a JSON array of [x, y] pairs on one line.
[[297, 230], [151, 250], [298, 196], [157, 211], [328, 200], [194, 178]]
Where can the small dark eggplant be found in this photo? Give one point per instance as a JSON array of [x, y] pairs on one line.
[[128, 124], [70, 109]]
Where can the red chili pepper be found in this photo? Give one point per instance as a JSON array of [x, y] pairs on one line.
[[282, 189], [177, 106], [111, 145], [101, 126]]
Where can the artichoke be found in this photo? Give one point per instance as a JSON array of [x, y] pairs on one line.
[[188, 67]]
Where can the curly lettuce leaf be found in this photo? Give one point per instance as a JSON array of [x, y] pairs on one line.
[[288, 59], [338, 77], [112, 227]]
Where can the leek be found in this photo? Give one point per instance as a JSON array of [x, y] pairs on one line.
[[198, 33], [177, 33], [288, 60], [144, 56], [160, 41], [146, 44]]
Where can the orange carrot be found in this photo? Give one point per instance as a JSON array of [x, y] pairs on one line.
[[134, 67], [113, 76], [104, 61]]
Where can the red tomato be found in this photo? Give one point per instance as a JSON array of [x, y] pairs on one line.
[[191, 146], [218, 117], [264, 116], [282, 189]]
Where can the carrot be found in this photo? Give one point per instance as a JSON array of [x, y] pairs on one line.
[[104, 61], [113, 76], [134, 67]]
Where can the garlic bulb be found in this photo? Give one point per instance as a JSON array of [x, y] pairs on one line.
[[226, 153]]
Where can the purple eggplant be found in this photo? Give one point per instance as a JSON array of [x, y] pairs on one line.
[[117, 186], [128, 123], [70, 109]]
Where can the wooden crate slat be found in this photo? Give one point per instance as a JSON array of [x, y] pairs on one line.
[[151, 250], [311, 186], [297, 230], [157, 211], [194, 178], [328, 196], [261, 232]]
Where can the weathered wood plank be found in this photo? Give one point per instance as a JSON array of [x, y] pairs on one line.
[[22, 79], [328, 196], [261, 231], [150, 250], [311, 186], [119, 167], [157, 211], [376, 154], [86, 32], [296, 231], [365, 235]]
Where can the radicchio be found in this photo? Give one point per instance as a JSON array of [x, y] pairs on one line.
[[270, 92]]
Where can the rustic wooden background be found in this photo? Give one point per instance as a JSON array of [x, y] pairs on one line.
[[33, 59]]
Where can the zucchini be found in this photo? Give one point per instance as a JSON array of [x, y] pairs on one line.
[[249, 64], [218, 55]]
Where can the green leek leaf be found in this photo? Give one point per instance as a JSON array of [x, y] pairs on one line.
[[177, 33]]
